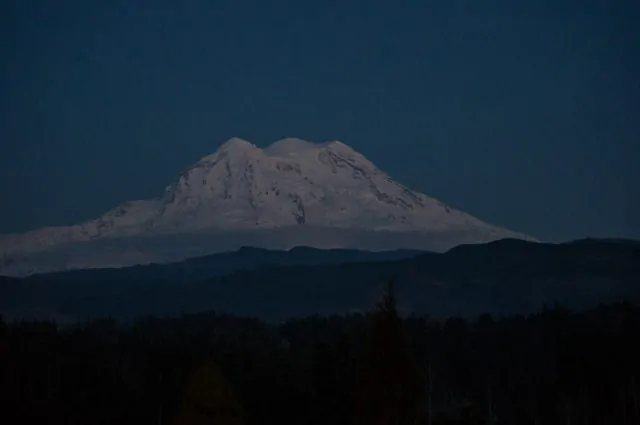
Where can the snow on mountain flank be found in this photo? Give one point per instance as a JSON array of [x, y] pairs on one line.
[[292, 184]]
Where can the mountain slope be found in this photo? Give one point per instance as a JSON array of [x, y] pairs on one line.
[[291, 193]]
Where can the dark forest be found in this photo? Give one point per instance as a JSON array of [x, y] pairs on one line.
[[551, 367]]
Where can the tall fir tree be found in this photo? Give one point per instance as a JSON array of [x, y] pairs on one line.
[[390, 390]]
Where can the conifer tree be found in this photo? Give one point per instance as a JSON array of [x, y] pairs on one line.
[[390, 390]]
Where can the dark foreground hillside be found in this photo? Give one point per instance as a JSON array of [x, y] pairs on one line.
[[552, 367], [503, 278]]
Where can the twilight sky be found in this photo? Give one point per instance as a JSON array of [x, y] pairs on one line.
[[523, 113]]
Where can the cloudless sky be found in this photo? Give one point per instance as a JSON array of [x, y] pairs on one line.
[[523, 113]]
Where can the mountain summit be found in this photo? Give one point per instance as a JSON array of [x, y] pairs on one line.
[[291, 193]]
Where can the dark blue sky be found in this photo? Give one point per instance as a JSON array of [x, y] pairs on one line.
[[523, 113]]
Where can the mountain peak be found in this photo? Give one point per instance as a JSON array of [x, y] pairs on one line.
[[289, 147], [236, 143], [234, 146], [326, 191]]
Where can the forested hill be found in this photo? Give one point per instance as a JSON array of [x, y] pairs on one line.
[[503, 277]]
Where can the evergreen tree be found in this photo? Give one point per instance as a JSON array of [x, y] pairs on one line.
[[389, 390]]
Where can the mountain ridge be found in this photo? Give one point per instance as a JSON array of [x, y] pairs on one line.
[[515, 277]]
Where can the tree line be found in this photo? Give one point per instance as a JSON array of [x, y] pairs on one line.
[[552, 367]]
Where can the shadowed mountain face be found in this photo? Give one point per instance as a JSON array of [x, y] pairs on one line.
[[502, 277], [291, 193]]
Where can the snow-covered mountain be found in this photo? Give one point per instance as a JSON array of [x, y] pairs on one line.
[[291, 193]]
